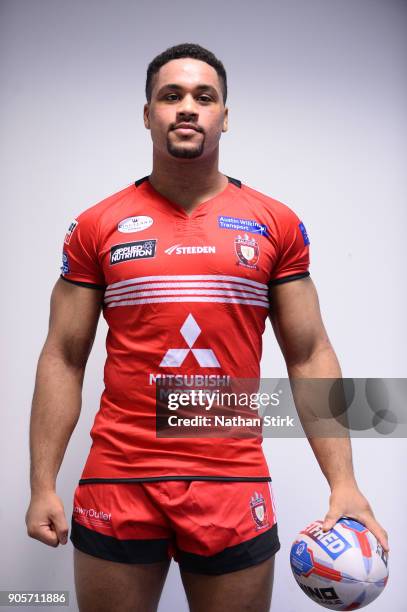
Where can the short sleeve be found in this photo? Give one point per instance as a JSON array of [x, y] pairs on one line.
[[293, 260], [80, 261]]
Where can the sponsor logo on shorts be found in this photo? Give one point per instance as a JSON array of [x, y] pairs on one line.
[[92, 513], [248, 225], [143, 249], [70, 231], [65, 268], [135, 224], [247, 251], [179, 249], [259, 510]]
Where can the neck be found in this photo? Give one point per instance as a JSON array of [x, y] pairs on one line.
[[187, 182]]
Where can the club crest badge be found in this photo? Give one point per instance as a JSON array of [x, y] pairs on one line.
[[247, 251], [259, 511]]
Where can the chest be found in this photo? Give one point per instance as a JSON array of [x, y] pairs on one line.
[[208, 244]]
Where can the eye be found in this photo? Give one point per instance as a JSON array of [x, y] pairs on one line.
[[171, 97]]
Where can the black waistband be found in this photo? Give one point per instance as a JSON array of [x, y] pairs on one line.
[[161, 478]]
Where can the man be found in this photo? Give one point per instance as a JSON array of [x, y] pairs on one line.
[[186, 263]]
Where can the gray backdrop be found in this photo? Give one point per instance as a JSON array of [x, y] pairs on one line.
[[317, 98]]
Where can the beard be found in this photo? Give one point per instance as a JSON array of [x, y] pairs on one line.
[[178, 150]]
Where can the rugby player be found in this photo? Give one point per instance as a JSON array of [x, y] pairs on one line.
[[186, 264]]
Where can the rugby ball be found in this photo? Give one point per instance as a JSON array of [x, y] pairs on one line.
[[344, 568]]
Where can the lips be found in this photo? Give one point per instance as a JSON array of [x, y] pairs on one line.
[[186, 126]]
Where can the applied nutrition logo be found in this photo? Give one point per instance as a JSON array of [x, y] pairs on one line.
[[129, 251]]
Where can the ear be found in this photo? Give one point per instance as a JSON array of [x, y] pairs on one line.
[[146, 116], [225, 120]]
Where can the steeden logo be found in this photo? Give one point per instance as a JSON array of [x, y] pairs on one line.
[[179, 249]]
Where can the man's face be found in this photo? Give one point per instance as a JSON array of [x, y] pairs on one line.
[[188, 91]]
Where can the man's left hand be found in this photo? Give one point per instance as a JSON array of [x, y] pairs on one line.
[[347, 500]]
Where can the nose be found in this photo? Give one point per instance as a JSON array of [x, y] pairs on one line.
[[187, 107]]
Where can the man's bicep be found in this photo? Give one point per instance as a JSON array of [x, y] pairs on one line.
[[74, 315], [296, 319]]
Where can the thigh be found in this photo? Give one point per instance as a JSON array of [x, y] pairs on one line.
[[108, 586], [247, 590], [122, 548]]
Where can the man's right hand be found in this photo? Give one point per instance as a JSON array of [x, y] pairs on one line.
[[45, 519]]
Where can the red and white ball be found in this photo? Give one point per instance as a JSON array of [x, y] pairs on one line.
[[341, 569]]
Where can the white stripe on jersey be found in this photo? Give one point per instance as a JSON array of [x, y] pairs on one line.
[[187, 288], [197, 292], [192, 298], [191, 284], [188, 277]]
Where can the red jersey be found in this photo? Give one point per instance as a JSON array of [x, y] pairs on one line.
[[185, 296]]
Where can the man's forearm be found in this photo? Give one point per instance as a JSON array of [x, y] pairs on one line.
[[334, 454], [55, 412]]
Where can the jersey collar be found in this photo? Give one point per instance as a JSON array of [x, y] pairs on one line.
[[199, 209]]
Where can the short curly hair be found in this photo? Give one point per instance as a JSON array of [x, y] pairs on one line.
[[185, 50]]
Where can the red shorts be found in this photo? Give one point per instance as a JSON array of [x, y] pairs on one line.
[[209, 527]]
